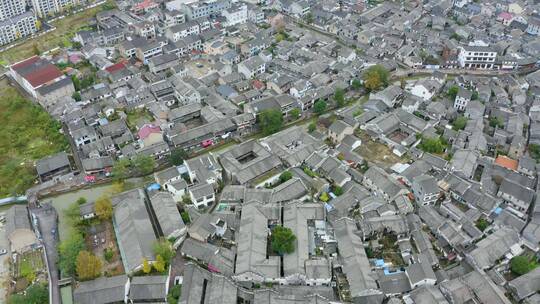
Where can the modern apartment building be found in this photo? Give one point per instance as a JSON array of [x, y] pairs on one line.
[[45, 8], [15, 21]]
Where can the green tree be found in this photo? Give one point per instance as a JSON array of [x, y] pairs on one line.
[[312, 127], [282, 240], [482, 224], [521, 265], [319, 107], [432, 145], [35, 49], [324, 197], [35, 294], [376, 77], [496, 122], [285, 176], [474, 95], [121, 168], [270, 121], [146, 267], [76, 83], [177, 156], [108, 254], [174, 294], [295, 113], [68, 251], [76, 96], [308, 18], [337, 190], [534, 151], [452, 92], [81, 201], [159, 264], [185, 217], [88, 266], [163, 248], [356, 84], [144, 164], [103, 207], [460, 123], [339, 97]]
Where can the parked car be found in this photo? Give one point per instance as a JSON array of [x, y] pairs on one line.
[[3, 251]]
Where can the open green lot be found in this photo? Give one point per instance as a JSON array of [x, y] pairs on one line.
[[61, 36], [27, 134]]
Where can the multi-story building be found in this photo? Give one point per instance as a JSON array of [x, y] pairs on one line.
[[205, 8], [17, 27], [173, 17], [45, 8], [533, 26], [463, 98], [255, 14], [15, 21], [237, 14], [10, 8], [478, 57]]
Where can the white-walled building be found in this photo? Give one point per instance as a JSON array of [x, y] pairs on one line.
[[46, 8], [237, 14], [478, 57]]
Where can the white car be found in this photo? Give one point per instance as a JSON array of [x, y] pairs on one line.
[[3, 251]]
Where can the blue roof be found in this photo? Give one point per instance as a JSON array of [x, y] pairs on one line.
[[103, 121], [498, 210], [388, 272], [379, 262], [154, 186], [328, 207]]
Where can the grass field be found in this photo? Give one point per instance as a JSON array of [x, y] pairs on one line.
[[61, 36], [28, 133]]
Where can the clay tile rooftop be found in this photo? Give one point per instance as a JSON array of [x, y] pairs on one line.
[[37, 71]]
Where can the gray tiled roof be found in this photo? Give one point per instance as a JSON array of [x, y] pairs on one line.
[[101, 290], [52, 163], [133, 228]]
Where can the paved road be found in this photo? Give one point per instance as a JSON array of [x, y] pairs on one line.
[[47, 222]]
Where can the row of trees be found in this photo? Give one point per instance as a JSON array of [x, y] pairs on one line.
[[140, 164]]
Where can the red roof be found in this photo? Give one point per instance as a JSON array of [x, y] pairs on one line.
[[257, 84], [116, 67], [148, 129], [507, 162], [47, 73], [25, 63], [37, 71], [143, 5]]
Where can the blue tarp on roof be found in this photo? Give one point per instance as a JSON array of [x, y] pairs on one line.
[[498, 210], [379, 262], [388, 272], [154, 186]]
